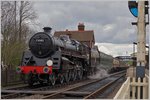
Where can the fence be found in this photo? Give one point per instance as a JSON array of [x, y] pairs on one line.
[[134, 89], [9, 76]]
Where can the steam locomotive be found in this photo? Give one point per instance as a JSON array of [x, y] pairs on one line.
[[59, 59]]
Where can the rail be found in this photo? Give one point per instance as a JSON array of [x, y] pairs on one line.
[[81, 85], [102, 89], [134, 89], [21, 92]]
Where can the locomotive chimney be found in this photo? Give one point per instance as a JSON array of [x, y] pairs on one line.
[[47, 30], [81, 27]]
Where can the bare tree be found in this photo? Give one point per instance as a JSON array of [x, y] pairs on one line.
[[26, 13], [7, 20], [14, 29]]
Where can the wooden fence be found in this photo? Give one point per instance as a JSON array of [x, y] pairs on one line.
[[134, 89]]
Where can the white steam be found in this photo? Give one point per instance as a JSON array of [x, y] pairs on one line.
[[100, 73]]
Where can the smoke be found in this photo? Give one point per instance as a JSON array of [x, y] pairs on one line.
[[100, 73]]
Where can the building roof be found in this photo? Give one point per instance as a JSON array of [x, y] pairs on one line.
[[86, 35]]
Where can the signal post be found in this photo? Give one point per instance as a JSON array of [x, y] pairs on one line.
[[139, 9], [137, 85], [141, 40]]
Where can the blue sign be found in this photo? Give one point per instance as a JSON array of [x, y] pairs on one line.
[[133, 7], [134, 12]]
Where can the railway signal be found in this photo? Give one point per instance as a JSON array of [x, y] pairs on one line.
[[133, 7], [139, 9]]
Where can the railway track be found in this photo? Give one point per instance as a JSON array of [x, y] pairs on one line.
[[81, 89], [20, 91], [102, 89], [85, 87]]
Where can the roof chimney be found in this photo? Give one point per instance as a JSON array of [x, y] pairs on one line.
[[47, 30], [81, 27]]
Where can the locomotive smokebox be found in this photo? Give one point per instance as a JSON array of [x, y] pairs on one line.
[[41, 44], [47, 30]]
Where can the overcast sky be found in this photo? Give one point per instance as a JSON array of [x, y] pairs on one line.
[[110, 20]]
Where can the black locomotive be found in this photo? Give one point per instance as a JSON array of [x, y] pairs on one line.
[[50, 59]]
